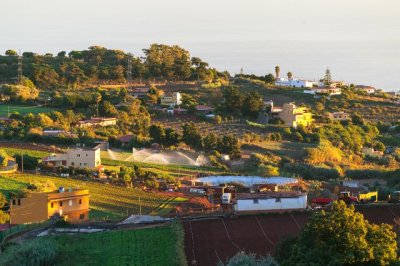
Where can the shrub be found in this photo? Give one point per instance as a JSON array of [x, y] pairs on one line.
[[31, 252]]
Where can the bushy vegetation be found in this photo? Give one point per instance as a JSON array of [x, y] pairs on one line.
[[241, 258], [153, 246], [30, 252], [340, 236]]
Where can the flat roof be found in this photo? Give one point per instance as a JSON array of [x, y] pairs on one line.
[[269, 195]]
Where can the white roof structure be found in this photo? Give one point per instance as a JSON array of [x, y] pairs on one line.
[[247, 181]]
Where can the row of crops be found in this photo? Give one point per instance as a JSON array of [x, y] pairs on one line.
[[106, 201]]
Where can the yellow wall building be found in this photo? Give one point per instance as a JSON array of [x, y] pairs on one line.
[[40, 206], [293, 116]]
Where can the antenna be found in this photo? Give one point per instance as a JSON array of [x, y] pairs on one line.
[[129, 71], [19, 68]]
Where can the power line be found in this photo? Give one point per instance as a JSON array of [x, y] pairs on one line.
[[129, 71]]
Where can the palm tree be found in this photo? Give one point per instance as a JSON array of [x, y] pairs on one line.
[[277, 71], [289, 75]]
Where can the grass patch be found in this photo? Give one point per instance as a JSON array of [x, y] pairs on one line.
[[167, 206], [23, 109], [152, 246]]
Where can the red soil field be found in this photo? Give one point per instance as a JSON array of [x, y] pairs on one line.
[[212, 240]]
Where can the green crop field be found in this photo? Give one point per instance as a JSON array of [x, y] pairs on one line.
[[106, 201], [23, 109], [152, 246]]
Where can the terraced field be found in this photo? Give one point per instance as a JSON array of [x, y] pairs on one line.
[[106, 201]]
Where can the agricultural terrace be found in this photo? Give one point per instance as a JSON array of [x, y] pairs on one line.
[[214, 240], [162, 245], [106, 201], [6, 109], [152, 246]]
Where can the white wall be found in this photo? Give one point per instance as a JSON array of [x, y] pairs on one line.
[[299, 202]]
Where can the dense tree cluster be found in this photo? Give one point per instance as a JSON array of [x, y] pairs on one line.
[[99, 64], [234, 101], [340, 236], [192, 137]]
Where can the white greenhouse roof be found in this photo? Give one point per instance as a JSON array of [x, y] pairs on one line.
[[247, 181]]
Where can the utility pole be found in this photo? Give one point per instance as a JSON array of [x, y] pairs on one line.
[[129, 71], [19, 68], [22, 161], [140, 207]]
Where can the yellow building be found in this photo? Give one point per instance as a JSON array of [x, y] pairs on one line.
[[293, 116], [72, 204]]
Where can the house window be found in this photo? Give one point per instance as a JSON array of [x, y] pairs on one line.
[[80, 201], [72, 164], [61, 203], [70, 203], [86, 155], [52, 205], [78, 155], [278, 200], [84, 163], [82, 216], [19, 201], [255, 201], [13, 201]]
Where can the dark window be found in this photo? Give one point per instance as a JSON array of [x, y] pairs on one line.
[[80, 201], [52, 205], [255, 201], [61, 203], [19, 201], [13, 201], [82, 216]]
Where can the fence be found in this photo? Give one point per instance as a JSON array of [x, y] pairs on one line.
[[19, 229]]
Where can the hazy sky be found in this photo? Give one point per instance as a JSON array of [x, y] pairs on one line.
[[200, 26]]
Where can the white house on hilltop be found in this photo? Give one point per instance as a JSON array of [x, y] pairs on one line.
[[296, 83]]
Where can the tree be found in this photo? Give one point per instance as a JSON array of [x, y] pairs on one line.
[[341, 236], [327, 78], [11, 52], [252, 104], [268, 170], [232, 99], [269, 78], [211, 142], [277, 72], [230, 145], [172, 137], [357, 119], [192, 136], [242, 258], [3, 159], [290, 75], [157, 134]]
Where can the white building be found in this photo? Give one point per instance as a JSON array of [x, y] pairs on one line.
[[270, 202], [296, 83], [324, 91], [98, 121], [171, 99], [76, 157], [339, 116], [367, 89]]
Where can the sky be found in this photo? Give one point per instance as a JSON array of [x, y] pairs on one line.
[[229, 34]]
